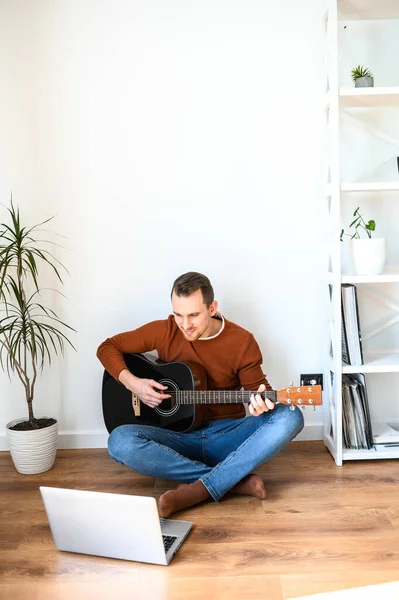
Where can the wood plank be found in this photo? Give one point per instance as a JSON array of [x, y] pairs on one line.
[[294, 524]]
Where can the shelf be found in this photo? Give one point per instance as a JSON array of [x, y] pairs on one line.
[[370, 186], [383, 364], [369, 454], [383, 278], [364, 186], [358, 279], [367, 10], [369, 97]]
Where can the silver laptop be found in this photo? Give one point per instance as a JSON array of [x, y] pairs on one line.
[[112, 525]]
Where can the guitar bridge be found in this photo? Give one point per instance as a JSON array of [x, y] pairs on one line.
[[136, 404]]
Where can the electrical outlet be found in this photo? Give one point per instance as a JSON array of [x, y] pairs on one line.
[[312, 379]]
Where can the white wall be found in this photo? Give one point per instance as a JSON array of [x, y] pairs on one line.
[[18, 143], [171, 136]]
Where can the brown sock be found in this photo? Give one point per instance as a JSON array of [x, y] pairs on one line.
[[185, 495], [251, 485]]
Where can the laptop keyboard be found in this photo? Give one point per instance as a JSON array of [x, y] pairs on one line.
[[168, 540]]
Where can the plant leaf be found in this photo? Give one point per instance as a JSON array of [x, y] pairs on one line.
[[30, 332]]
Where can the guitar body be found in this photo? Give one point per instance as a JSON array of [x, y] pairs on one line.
[[117, 401]]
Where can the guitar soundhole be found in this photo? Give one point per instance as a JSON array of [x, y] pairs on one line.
[[171, 405]]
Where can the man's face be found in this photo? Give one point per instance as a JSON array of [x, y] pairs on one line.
[[192, 316]]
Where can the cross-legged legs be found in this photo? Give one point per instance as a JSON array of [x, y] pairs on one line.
[[213, 460]]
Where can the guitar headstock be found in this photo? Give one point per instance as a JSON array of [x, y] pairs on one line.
[[304, 395]]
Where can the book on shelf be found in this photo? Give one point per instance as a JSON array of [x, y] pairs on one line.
[[386, 447], [344, 339], [385, 436], [344, 342], [384, 433], [351, 337], [356, 421]]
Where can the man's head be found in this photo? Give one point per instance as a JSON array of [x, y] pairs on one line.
[[193, 305]]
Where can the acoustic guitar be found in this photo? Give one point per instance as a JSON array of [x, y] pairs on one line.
[[186, 384]]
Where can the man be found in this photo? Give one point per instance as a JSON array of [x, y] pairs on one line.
[[220, 455]]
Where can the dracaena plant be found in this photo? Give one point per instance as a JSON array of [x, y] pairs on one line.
[[358, 224], [29, 331]]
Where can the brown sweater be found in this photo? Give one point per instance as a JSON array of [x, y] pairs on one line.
[[232, 359]]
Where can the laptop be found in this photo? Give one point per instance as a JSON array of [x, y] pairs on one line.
[[112, 525]]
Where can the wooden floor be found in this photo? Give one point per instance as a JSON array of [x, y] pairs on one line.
[[322, 528]]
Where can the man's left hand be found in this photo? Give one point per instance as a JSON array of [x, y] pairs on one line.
[[258, 405]]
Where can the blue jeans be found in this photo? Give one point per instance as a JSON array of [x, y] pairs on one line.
[[219, 454]]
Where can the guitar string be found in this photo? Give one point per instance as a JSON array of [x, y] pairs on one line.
[[200, 396], [203, 392], [225, 397]]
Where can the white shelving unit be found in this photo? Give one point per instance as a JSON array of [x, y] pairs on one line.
[[338, 100]]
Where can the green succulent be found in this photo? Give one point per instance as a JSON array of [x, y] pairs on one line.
[[360, 71]]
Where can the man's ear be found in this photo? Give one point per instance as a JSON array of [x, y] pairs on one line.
[[213, 308]]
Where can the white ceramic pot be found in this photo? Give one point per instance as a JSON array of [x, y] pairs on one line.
[[368, 256], [33, 451]]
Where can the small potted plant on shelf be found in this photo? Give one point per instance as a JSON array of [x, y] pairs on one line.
[[29, 334], [362, 77], [368, 253]]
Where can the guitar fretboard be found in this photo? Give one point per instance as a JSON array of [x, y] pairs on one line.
[[218, 397]]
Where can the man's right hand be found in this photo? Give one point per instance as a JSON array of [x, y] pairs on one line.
[[145, 389]]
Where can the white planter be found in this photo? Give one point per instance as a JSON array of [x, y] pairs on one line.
[[33, 451], [368, 256]]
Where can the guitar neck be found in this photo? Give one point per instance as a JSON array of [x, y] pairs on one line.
[[220, 396], [185, 374]]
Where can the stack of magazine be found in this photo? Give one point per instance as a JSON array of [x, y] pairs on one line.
[[357, 430]]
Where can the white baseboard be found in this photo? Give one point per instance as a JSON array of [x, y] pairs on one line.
[[310, 433], [83, 439], [98, 439]]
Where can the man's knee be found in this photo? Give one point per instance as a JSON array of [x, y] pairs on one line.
[[121, 443], [288, 420], [293, 419]]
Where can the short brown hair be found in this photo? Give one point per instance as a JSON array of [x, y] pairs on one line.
[[190, 282]]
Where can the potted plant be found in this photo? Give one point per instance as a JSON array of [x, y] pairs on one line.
[[362, 77], [29, 334], [368, 253]]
